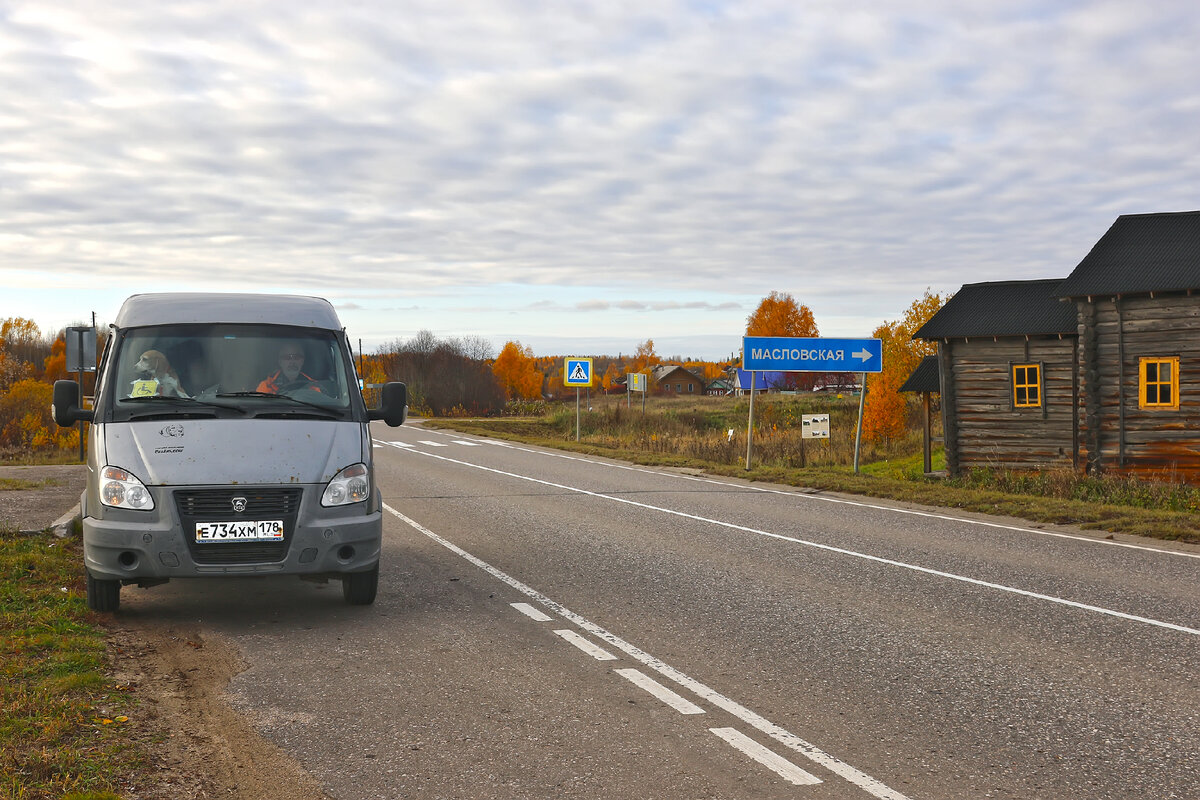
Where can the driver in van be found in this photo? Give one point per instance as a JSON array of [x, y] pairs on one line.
[[290, 375]]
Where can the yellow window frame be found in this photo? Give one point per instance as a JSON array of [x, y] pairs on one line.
[[1154, 389], [1027, 385]]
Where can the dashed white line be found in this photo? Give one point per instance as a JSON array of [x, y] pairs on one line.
[[872, 786], [432, 444], [531, 612], [772, 761], [465, 443], [586, 645], [674, 700]]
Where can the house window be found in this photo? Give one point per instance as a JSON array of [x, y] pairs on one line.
[[691, 388], [1027, 385], [678, 387], [1158, 386]]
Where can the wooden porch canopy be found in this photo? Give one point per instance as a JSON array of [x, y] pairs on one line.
[[926, 379]]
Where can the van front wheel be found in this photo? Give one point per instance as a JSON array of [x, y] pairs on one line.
[[103, 595], [359, 588]]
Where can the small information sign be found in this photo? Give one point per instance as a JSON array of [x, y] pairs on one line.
[[814, 426], [636, 381]]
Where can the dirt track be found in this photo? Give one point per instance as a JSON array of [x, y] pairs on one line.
[[198, 746]]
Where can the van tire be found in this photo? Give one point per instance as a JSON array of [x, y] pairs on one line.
[[359, 588], [103, 595]]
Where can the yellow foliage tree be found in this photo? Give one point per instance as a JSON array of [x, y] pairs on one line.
[[517, 371], [780, 315], [886, 410], [645, 359], [27, 422]]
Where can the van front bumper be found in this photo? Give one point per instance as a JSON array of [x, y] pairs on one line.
[[133, 547]]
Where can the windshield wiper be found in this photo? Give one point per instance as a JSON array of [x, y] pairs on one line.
[[172, 400], [332, 413]]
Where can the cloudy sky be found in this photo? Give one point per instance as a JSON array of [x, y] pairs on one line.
[[580, 176]]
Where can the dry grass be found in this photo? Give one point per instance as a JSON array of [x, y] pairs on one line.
[[694, 432]]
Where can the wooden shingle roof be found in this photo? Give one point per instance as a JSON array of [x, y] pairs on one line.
[[1141, 253], [1004, 308]]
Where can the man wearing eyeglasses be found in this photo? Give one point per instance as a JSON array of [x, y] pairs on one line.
[[290, 375]]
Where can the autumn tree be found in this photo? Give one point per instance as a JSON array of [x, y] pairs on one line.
[[780, 315], [645, 359], [11, 370], [886, 410], [611, 373], [26, 423], [517, 372], [444, 377]]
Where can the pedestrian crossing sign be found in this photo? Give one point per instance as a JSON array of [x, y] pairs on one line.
[[577, 372]]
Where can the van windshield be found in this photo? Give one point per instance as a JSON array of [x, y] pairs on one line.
[[251, 369]]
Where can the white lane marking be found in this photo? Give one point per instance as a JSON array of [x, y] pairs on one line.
[[593, 650], [531, 612], [465, 443], [772, 761], [856, 777], [856, 503], [675, 701], [401, 445], [431, 444], [841, 550]]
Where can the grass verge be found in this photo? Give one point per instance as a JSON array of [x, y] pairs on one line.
[[64, 723], [900, 479]]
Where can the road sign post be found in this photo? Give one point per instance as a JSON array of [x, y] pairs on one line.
[[577, 372], [636, 382], [807, 354], [80, 357]]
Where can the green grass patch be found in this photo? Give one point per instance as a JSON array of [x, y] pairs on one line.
[[63, 722], [14, 457], [694, 433], [18, 484]]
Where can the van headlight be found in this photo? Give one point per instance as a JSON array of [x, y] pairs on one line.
[[120, 489], [351, 485]]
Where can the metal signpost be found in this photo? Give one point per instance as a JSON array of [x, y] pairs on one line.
[[636, 382], [577, 372], [81, 358], [801, 354]]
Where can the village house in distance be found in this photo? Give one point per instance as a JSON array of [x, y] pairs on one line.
[[1099, 371]]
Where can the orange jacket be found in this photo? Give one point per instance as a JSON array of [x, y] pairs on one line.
[[271, 384]]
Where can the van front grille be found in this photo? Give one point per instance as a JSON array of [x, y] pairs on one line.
[[217, 505]]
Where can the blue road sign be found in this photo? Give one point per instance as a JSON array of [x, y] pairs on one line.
[[577, 372], [792, 354]]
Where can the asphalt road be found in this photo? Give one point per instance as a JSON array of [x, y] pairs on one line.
[[555, 626]]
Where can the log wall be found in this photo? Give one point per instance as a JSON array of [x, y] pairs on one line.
[[979, 416], [1117, 436]]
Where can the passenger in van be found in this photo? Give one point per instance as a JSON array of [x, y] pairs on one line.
[[290, 375]]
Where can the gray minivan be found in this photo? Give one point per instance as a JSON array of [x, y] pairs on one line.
[[229, 438]]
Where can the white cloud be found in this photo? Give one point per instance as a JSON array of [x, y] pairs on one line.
[[637, 165]]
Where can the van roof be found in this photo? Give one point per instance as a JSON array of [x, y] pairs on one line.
[[174, 308]]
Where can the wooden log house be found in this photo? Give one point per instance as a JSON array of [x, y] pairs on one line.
[[1098, 371], [1006, 353], [1137, 296]]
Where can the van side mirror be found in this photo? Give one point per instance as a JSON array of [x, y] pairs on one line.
[[393, 405], [66, 405]]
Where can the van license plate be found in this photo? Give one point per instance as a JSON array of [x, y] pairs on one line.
[[260, 530]]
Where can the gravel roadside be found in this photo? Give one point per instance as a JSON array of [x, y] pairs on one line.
[[43, 507]]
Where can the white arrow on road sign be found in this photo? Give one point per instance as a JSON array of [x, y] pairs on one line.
[[862, 355]]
